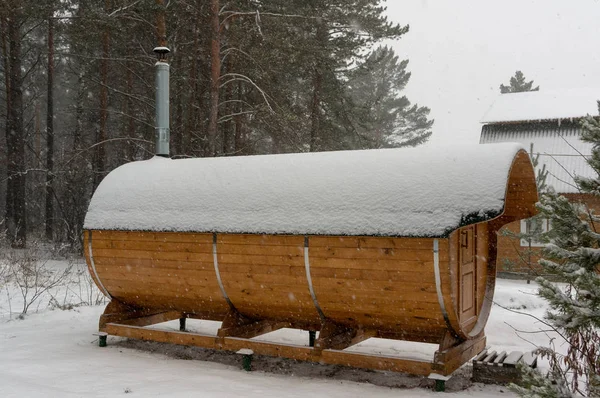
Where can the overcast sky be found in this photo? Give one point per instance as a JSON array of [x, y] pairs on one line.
[[460, 51]]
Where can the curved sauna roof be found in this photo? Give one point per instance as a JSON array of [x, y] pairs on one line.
[[427, 191]]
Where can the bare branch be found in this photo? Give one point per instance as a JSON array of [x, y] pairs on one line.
[[226, 118], [238, 77], [123, 8], [231, 14]]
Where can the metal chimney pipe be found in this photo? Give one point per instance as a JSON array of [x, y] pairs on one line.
[[163, 130]]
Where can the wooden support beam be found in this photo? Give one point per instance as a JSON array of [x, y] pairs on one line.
[[163, 336], [337, 337], [362, 335], [253, 329], [333, 357], [416, 337], [376, 362], [448, 341], [237, 325], [270, 349], [117, 312], [237, 332], [153, 319], [447, 361]]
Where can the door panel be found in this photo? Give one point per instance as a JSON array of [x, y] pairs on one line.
[[468, 277]]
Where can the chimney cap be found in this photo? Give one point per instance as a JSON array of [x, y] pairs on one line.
[[161, 50]]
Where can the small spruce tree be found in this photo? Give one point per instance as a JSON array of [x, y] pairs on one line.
[[518, 84], [382, 116], [573, 257]]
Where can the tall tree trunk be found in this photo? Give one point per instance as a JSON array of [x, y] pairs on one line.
[[194, 98], [129, 150], [240, 123], [238, 120], [37, 145], [15, 142], [77, 134], [178, 97], [229, 126], [100, 160], [5, 57], [315, 112], [77, 180], [50, 130], [215, 75]]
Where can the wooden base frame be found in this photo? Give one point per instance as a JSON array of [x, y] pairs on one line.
[[237, 332]]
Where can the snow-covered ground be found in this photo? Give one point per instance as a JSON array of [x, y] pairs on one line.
[[53, 352]]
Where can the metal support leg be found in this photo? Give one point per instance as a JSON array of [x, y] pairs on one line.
[[102, 339], [247, 355], [440, 385], [182, 324], [311, 338]]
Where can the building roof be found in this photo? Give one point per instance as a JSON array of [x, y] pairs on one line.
[[559, 147], [424, 191], [542, 105]]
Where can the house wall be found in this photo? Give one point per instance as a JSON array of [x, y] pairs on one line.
[[518, 261], [513, 259], [557, 143]]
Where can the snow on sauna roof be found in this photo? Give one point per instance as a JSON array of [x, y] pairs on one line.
[[425, 191], [543, 105]]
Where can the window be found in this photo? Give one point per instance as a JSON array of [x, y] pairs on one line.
[[532, 227]]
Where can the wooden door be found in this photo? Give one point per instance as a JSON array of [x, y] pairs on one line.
[[468, 278]]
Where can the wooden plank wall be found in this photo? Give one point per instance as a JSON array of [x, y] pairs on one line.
[[159, 270], [265, 277], [380, 283], [521, 190], [385, 284]]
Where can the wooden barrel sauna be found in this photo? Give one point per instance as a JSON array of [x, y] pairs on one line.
[[395, 243]]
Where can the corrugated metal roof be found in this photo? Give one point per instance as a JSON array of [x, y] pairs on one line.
[[560, 149], [543, 105]]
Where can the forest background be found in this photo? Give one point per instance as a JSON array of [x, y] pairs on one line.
[[247, 77]]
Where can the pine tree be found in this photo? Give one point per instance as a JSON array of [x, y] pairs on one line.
[[16, 207], [384, 117], [573, 257], [518, 84], [283, 86], [310, 60]]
